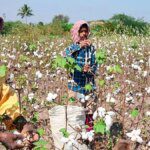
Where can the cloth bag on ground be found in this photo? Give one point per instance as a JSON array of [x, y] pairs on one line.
[[75, 116]]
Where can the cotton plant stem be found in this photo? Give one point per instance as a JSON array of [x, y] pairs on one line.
[[142, 103], [74, 128], [19, 97], [124, 104]]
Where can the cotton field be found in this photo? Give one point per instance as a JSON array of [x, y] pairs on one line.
[[122, 106]]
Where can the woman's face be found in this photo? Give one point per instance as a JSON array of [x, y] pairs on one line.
[[83, 33]]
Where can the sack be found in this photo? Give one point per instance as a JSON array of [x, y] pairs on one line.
[[75, 117]]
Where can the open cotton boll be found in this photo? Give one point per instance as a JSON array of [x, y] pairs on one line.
[[16, 132], [84, 135], [147, 113], [19, 142], [87, 97], [108, 121], [51, 97], [147, 90], [135, 136], [38, 74], [90, 135], [11, 76], [64, 140], [101, 111], [95, 115], [82, 100], [110, 99], [111, 113], [30, 96]]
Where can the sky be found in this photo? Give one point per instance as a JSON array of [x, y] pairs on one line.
[[45, 10]]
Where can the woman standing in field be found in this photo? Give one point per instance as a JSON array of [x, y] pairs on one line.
[[83, 52]]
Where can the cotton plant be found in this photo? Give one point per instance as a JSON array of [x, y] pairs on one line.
[[135, 135], [68, 139], [103, 118]]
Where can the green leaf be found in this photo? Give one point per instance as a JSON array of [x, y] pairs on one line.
[[117, 69], [70, 60], [111, 69], [78, 68], [64, 132], [134, 112], [102, 82], [32, 47], [35, 117], [2, 71], [40, 148], [72, 99], [100, 126], [88, 87], [101, 56], [59, 62], [41, 131], [41, 143]]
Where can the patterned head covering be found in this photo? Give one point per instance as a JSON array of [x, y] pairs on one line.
[[75, 30], [1, 23]]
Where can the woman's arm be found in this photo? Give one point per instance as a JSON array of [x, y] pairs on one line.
[[72, 49]]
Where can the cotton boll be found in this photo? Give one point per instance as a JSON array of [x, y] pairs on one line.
[[30, 96], [64, 140], [19, 142], [135, 135], [84, 136], [111, 113], [83, 100], [108, 121], [51, 97], [95, 115], [147, 113], [38, 74], [87, 97], [147, 90], [101, 112]]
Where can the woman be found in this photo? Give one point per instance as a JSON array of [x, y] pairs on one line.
[[83, 52]]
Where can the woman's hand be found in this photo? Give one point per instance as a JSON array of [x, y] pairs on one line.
[[85, 43], [10, 140], [29, 129], [86, 68]]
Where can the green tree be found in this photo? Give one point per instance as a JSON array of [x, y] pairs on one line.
[[60, 18], [124, 23], [25, 11]]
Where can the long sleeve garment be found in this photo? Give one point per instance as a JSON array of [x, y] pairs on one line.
[[82, 56]]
